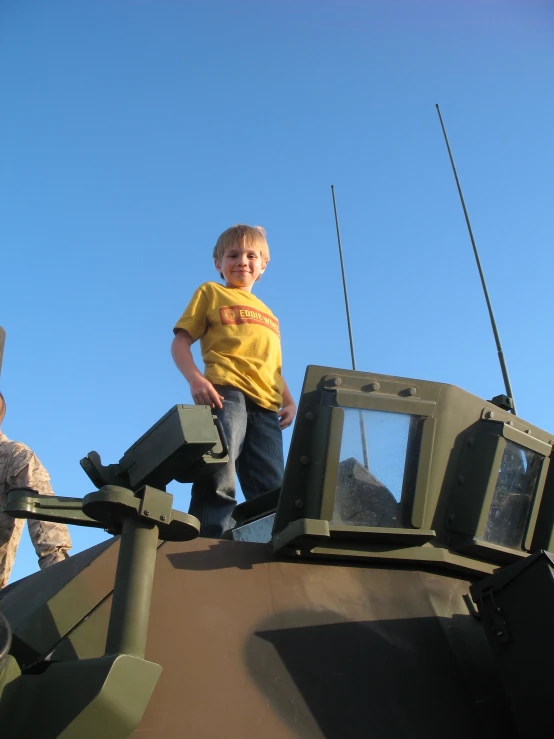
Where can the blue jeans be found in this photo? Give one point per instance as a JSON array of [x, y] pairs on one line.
[[255, 455]]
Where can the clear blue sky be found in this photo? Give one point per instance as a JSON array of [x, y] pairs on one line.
[[134, 132]]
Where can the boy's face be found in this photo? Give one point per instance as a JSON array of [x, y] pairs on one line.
[[241, 267]]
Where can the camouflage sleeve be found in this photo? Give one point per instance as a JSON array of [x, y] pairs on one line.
[[26, 471], [51, 540]]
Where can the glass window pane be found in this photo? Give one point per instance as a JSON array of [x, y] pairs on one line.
[[514, 492], [381, 492]]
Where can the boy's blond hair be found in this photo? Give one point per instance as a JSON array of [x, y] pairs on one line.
[[253, 237]]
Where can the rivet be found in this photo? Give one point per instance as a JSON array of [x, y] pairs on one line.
[[461, 480], [146, 513], [489, 414], [527, 431], [299, 503], [336, 381], [304, 460], [412, 391], [163, 518], [309, 416], [510, 423], [374, 386], [471, 441]]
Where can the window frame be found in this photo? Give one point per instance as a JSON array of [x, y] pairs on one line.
[[475, 485], [426, 411]]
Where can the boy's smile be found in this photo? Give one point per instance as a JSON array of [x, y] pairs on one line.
[[240, 267]]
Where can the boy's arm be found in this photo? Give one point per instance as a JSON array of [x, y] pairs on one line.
[[201, 389], [288, 409]]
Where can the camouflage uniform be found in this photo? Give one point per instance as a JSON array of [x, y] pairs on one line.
[[21, 468]]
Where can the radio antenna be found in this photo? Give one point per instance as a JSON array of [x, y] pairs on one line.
[[362, 424], [501, 359]]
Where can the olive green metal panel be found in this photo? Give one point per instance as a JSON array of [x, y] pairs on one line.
[[88, 639], [183, 444], [474, 484], [423, 478], [391, 554], [301, 534], [9, 673], [526, 439], [533, 518], [543, 534], [171, 435], [312, 465], [392, 404], [45, 607], [84, 699]]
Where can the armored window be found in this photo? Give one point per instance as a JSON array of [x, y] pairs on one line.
[[377, 469], [513, 495]]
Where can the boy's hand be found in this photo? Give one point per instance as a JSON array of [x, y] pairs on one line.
[[204, 393], [202, 390], [286, 415]]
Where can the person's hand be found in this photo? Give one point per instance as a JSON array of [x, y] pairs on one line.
[[204, 393], [286, 415]]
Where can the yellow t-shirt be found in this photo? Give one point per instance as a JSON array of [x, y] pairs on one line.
[[239, 339]]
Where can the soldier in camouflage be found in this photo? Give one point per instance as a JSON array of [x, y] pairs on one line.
[[21, 468]]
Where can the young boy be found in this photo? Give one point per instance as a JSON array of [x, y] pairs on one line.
[[242, 380]]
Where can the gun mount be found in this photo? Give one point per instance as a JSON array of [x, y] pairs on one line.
[[92, 688], [358, 611], [185, 443]]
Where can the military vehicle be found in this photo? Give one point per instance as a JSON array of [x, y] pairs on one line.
[[397, 585]]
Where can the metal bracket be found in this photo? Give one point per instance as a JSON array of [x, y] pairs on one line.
[[107, 509], [155, 505], [300, 532], [471, 606], [499, 623], [503, 401]]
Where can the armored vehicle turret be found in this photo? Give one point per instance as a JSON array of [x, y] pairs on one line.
[[396, 585]]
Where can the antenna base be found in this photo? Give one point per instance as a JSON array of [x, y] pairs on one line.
[[504, 402]]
